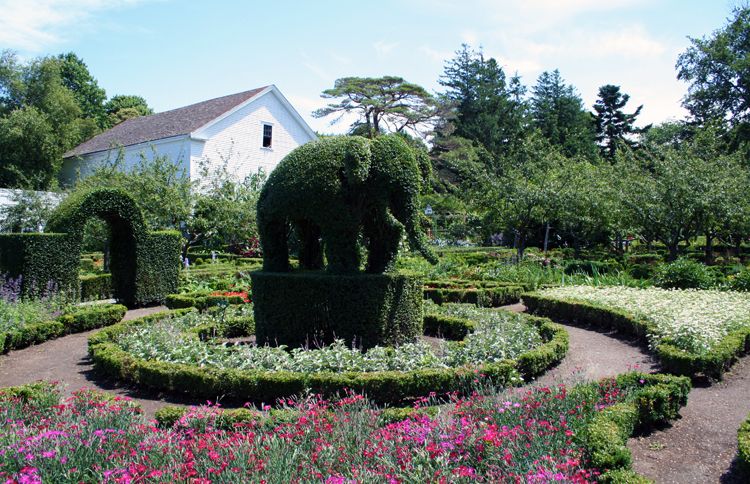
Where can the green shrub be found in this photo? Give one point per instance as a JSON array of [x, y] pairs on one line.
[[263, 386], [41, 259], [741, 281], [590, 267], [79, 319], [648, 258], [200, 300], [743, 445], [302, 308], [642, 271], [684, 274], [96, 286]]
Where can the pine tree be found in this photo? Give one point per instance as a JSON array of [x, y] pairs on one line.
[[613, 125]]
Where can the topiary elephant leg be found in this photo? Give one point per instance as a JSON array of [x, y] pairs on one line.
[[311, 252], [342, 252], [384, 235], [273, 236]]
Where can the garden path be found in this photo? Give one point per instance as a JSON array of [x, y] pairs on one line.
[[699, 447], [66, 360]]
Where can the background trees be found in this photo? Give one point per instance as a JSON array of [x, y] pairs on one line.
[[613, 126], [47, 106]]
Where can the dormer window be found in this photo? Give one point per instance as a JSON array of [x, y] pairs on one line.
[[267, 135]]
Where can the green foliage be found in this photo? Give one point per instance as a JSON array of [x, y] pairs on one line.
[[684, 274], [483, 294], [123, 107], [258, 386], [741, 281], [489, 108], [743, 444], [41, 259], [29, 211], [73, 321], [673, 359], [145, 265], [339, 189], [300, 309], [557, 111], [384, 103], [613, 126], [96, 286], [89, 96]]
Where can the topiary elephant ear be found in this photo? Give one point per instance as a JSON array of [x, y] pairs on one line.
[[357, 159]]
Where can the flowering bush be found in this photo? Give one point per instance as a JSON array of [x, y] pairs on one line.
[[17, 312], [692, 320], [241, 294], [532, 435], [497, 336]]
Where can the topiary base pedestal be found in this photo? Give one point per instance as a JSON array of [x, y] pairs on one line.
[[314, 308]]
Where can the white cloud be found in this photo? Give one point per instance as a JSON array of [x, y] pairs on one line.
[[33, 25], [435, 55], [384, 48]]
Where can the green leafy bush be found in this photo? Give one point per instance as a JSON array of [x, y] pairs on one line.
[[96, 286], [304, 308], [684, 274], [741, 281], [743, 445]]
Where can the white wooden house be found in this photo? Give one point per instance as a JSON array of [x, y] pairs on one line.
[[251, 130]]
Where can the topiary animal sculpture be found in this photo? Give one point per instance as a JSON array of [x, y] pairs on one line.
[[340, 189]]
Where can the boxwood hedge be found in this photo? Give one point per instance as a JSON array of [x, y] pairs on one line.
[[673, 359], [96, 286], [79, 319], [264, 386], [743, 445]]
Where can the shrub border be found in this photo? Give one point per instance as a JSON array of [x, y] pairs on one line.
[[384, 387], [673, 359], [79, 320], [743, 445]]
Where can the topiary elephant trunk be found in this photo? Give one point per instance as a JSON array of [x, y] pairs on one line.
[[336, 192]]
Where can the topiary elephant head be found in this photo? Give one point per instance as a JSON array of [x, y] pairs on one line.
[[342, 190]]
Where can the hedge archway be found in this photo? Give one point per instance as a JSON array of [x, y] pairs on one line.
[[144, 265]]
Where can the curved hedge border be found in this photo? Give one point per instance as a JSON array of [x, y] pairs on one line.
[[82, 319], [673, 359], [743, 445], [390, 387]]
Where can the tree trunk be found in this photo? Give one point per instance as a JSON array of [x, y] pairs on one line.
[[709, 249], [520, 247], [546, 239], [106, 257], [673, 251]]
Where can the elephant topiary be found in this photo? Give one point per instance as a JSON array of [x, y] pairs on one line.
[[342, 190]]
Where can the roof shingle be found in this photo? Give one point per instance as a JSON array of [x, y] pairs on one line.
[[176, 122]]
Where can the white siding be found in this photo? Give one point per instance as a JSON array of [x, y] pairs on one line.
[[177, 149], [238, 138]]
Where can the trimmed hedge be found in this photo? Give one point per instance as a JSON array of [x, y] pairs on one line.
[[673, 359], [259, 386], [304, 308], [200, 300], [40, 259], [484, 297], [657, 402], [81, 319], [96, 286], [743, 445]]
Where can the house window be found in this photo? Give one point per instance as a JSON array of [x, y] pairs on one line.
[[267, 133]]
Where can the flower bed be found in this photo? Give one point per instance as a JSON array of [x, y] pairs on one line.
[[166, 352], [548, 434], [691, 331]]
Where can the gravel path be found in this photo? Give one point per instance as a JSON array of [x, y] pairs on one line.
[[701, 446], [66, 360]]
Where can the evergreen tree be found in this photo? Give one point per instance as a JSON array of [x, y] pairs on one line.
[[489, 108], [613, 125], [558, 112]]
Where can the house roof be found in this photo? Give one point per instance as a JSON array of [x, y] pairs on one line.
[[180, 121]]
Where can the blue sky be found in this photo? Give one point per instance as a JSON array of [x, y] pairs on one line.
[[176, 52]]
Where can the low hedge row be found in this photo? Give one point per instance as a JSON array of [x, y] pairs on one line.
[[200, 300], [484, 297], [657, 401], [258, 386], [743, 445], [96, 286], [673, 359], [81, 319]]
